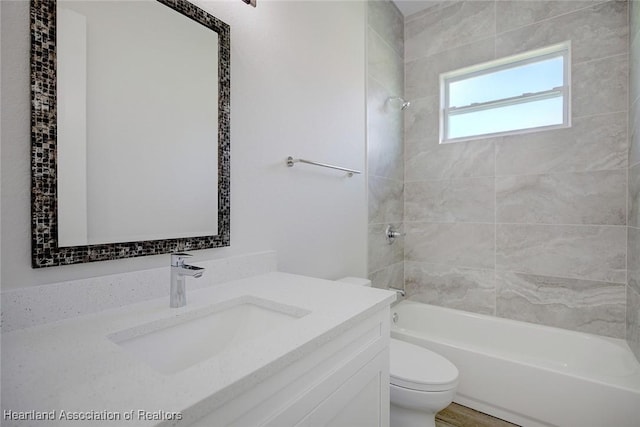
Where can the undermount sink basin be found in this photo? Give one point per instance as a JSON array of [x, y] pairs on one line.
[[171, 345]]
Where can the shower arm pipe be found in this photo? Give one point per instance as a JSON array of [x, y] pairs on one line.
[[403, 102], [350, 172]]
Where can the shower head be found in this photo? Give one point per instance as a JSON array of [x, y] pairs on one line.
[[398, 101]]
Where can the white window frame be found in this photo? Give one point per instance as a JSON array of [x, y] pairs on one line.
[[561, 49]]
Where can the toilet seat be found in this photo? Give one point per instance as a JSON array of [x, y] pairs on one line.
[[417, 368]]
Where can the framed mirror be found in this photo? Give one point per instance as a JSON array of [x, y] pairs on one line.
[[130, 129]]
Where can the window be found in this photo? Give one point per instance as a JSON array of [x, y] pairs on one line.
[[522, 93]]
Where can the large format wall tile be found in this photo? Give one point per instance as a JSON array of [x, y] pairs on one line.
[[633, 321], [581, 252], [581, 305], [634, 130], [456, 244], [421, 119], [453, 287], [634, 196], [633, 232], [596, 32], [634, 68], [633, 263], [571, 198], [634, 18], [513, 14], [591, 144], [454, 200], [425, 160], [385, 141], [384, 63], [391, 276], [422, 76], [448, 27], [430, 6], [580, 172], [385, 147], [380, 253], [385, 200], [386, 20], [600, 86]]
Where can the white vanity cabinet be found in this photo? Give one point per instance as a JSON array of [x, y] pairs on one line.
[[344, 382], [325, 362]]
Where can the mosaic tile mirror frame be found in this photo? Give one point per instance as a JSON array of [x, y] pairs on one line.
[[44, 199]]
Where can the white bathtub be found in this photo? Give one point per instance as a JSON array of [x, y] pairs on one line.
[[529, 374]]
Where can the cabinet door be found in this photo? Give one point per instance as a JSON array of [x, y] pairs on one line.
[[349, 371], [362, 401]]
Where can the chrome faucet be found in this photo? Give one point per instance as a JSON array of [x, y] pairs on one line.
[[179, 272]]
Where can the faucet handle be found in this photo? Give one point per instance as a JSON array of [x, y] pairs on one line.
[[177, 260]]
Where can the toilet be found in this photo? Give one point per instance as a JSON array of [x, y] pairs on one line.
[[422, 382]]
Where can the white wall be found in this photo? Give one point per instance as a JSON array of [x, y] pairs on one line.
[[297, 88], [1, 138]]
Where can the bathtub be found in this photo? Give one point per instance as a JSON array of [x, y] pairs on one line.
[[529, 374]]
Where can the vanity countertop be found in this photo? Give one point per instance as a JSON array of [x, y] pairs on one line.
[[73, 366]]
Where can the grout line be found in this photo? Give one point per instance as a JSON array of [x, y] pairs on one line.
[[413, 181], [553, 17], [385, 267], [390, 91], [561, 277], [527, 224], [495, 230], [495, 28], [439, 264], [464, 45], [602, 58], [626, 312], [416, 140], [608, 113], [445, 222], [586, 172], [398, 11], [496, 33], [637, 99], [463, 178], [626, 235], [579, 172], [548, 224], [400, 55], [629, 167], [574, 118], [428, 11], [506, 270], [386, 178]]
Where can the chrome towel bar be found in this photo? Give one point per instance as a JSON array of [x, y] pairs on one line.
[[291, 161]]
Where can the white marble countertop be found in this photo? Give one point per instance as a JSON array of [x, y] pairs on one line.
[[72, 365]]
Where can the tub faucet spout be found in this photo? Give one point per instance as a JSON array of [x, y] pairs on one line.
[[179, 272]]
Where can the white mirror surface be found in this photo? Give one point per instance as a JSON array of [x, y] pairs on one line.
[[137, 86]]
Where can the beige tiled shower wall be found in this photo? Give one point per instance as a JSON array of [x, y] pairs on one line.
[[530, 227], [633, 237], [385, 79]]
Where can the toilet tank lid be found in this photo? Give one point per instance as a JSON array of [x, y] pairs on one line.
[[417, 368], [355, 281]]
